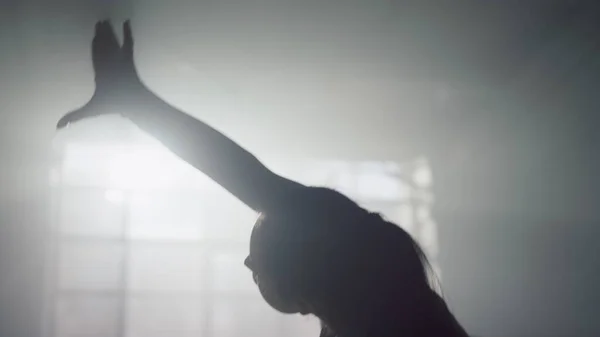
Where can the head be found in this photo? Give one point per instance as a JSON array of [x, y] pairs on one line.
[[325, 255]]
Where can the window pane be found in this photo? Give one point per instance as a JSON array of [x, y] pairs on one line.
[[86, 265], [314, 174], [228, 219], [244, 318], [89, 212], [167, 215], [422, 175], [230, 274], [87, 164], [153, 166], [93, 316], [128, 165], [163, 316], [376, 185], [165, 267]]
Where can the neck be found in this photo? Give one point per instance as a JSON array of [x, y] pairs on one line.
[[359, 321], [342, 323]]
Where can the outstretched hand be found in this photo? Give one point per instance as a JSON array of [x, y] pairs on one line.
[[117, 82]]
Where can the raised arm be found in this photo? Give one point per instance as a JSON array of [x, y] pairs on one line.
[[211, 152], [118, 88]]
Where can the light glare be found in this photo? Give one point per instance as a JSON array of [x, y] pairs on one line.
[[114, 196]]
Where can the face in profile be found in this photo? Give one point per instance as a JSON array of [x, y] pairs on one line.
[[267, 284]]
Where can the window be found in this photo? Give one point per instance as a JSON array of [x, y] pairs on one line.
[[146, 246], [94, 266], [90, 315]]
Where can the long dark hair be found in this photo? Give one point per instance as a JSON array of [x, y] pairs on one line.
[[322, 245]]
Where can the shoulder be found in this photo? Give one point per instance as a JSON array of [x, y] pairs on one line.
[[314, 201]]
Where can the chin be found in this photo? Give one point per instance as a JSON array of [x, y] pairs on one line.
[[286, 310], [278, 303]]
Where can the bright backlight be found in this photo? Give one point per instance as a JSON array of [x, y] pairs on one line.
[[142, 168], [179, 233], [128, 167]]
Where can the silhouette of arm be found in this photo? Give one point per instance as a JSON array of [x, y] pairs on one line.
[[211, 152]]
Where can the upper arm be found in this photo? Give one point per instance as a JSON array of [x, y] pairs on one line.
[[267, 191]]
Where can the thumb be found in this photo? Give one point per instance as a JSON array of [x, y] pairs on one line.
[[76, 115], [69, 118]]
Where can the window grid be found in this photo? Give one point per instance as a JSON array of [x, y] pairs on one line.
[[203, 302]]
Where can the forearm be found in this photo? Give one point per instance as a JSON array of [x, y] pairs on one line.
[[211, 152]]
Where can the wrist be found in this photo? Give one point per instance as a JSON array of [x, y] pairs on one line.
[[136, 100]]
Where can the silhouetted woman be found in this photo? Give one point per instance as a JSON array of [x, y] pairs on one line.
[[313, 250]]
